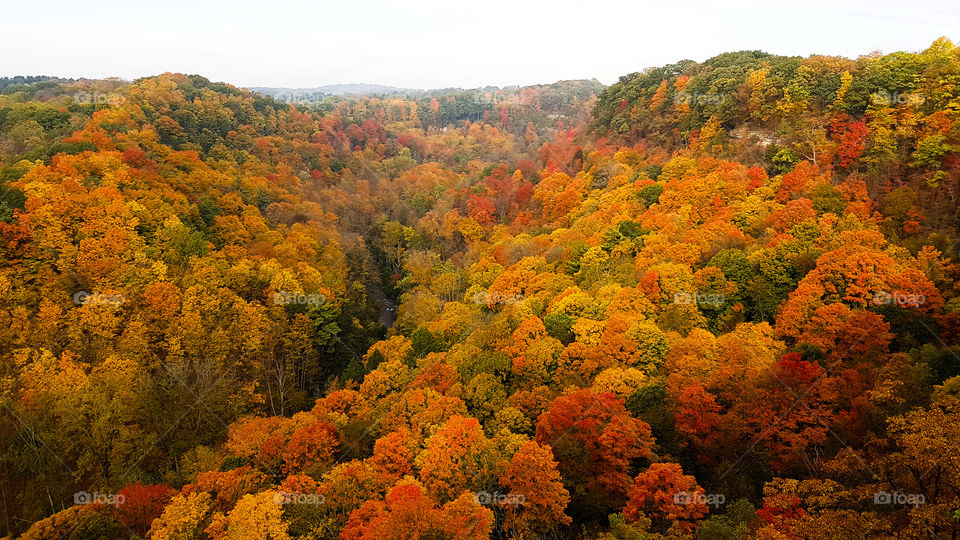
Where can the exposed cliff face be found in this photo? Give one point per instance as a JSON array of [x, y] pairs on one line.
[[762, 138]]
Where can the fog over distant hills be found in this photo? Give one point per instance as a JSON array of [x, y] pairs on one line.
[[335, 89]]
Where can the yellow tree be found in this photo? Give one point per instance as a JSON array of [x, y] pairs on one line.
[[535, 498], [255, 517], [457, 458]]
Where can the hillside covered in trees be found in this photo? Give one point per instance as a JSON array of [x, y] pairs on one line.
[[714, 300]]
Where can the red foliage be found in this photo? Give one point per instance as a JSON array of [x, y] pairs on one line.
[[698, 417], [142, 503], [852, 138], [309, 446], [667, 496], [481, 208], [795, 181], [594, 438]]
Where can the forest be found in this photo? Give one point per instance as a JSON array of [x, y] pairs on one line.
[[713, 300]]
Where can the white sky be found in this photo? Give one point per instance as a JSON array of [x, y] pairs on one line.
[[440, 43]]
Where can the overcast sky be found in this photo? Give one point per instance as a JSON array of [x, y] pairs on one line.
[[440, 43]]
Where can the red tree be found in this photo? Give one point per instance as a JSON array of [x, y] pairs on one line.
[[142, 503], [594, 438]]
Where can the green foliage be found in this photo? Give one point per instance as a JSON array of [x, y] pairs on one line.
[[735, 266], [828, 200], [734, 524], [355, 370], [943, 363], [425, 342], [326, 329], [653, 171], [621, 530], [647, 404], [11, 199], [650, 195], [375, 359], [559, 326], [930, 151], [208, 210], [782, 160], [572, 264], [179, 243], [97, 526], [234, 462]]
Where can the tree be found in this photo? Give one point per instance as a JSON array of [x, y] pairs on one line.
[[666, 496], [407, 512], [73, 522], [536, 498], [394, 454], [184, 517], [311, 447], [698, 419], [594, 439], [457, 458], [254, 517], [141, 505]]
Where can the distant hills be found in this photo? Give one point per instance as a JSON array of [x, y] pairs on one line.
[[32, 84], [360, 89], [310, 95]]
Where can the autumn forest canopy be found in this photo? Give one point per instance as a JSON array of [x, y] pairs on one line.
[[713, 300]]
